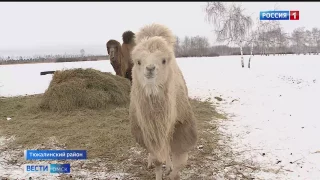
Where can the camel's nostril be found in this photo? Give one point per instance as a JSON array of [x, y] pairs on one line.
[[150, 67]]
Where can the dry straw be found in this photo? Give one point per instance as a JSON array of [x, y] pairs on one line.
[[85, 88]]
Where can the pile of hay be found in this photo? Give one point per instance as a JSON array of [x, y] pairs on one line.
[[85, 88]]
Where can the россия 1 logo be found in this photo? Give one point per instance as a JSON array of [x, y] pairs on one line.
[[279, 15]]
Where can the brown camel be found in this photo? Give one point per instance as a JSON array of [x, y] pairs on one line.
[[120, 56], [115, 54]]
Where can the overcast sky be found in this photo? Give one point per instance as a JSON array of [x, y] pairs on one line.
[[59, 27]]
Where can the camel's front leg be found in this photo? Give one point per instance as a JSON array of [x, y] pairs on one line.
[[168, 165], [151, 159], [158, 170]]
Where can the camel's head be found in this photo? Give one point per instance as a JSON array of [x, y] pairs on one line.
[[113, 48], [152, 68]]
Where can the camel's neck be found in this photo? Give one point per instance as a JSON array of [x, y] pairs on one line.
[[155, 119], [155, 97]]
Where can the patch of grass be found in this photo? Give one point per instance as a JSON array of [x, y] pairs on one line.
[[204, 110], [103, 133]]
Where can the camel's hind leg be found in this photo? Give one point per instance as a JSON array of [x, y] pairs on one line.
[[178, 162]]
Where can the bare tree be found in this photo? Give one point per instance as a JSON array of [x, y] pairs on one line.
[[178, 47], [267, 36], [308, 42], [203, 46], [297, 38], [199, 46], [194, 46], [186, 44], [283, 42], [252, 41], [276, 38], [230, 22], [316, 39], [82, 52]]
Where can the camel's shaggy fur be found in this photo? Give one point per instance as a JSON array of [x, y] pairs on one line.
[[128, 37], [127, 46], [162, 119], [115, 54]]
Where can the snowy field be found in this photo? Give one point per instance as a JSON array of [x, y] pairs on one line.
[[272, 107]]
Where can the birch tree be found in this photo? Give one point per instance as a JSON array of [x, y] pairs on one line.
[[185, 45], [297, 37], [252, 41], [178, 47], [82, 52], [283, 41], [231, 24], [316, 39], [308, 42]]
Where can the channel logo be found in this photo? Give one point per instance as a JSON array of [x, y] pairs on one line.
[[37, 168], [279, 15], [47, 168]]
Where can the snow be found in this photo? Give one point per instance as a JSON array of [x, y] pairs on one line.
[[276, 112], [272, 107], [25, 79]]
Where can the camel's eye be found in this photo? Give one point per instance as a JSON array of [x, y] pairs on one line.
[[139, 62], [163, 61]]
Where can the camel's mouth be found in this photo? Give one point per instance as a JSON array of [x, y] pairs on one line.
[[150, 77]]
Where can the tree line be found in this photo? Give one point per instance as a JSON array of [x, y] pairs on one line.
[[197, 46], [269, 40], [274, 40], [50, 58]]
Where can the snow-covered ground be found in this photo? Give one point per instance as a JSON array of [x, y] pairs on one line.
[[25, 79], [275, 106], [272, 107]]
